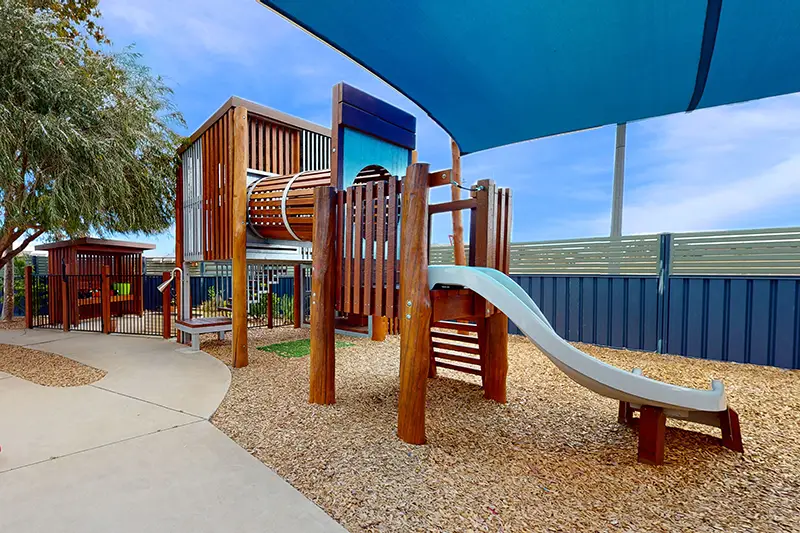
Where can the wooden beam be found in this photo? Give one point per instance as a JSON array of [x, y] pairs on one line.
[[414, 306], [239, 223], [652, 427], [380, 324], [28, 297], [322, 372], [456, 205], [298, 296]]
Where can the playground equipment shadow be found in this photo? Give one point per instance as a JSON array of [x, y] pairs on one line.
[[124, 455], [553, 457]]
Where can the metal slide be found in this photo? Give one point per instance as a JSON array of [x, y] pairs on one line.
[[684, 403]]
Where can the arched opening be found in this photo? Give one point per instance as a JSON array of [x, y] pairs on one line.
[[372, 173]]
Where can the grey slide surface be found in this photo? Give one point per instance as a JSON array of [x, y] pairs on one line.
[[604, 379]]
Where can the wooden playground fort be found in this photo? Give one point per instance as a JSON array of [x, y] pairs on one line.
[[258, 185]]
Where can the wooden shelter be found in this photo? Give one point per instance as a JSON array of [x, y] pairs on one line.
[[83, 261]]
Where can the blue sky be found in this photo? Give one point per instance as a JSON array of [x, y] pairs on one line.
[[723, 168]]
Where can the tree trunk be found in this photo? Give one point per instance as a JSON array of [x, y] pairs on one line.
[[8, 292]]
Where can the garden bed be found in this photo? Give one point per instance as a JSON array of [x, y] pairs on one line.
[[553, 459], [45, 368]]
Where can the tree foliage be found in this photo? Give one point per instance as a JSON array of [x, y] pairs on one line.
[[86, 139], [72, 19]]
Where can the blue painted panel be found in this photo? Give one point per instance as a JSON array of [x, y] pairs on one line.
[[588, 310], [560, 305], [693, 322], [675, 332], [650, 298], [715, 319], [603, 318], [548, 299], [574, 309], [634, 316], [758, 348], [785, 323], [737, 322], [618, 307], [361, 150]]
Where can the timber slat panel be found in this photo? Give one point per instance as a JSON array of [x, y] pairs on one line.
[[369, 250], [367, 216], [348, 250], [380, 248], [391, 255], [339, 249], [358, 263]]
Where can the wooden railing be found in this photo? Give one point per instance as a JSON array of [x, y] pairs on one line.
[[368, 226]]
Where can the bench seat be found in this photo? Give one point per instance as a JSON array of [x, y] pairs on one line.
[[209, 324]]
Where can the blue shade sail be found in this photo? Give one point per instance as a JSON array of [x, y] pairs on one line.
[[495, 73]]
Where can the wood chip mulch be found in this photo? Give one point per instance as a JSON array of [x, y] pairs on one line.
[[16, 323], [45, 368], [553, 458]]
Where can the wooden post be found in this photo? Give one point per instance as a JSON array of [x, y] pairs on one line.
[[65, 314], [239, 223], [297, 298], [166, 302], [322, 375], [625, 413], [459, 256], [105, 298], [29, 297], [731, 432], [380, 326], [414, 306], [652, 427], [495, 363]]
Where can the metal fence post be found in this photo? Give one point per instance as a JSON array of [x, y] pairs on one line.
[[28, 297], [166, 308], [664, 268]]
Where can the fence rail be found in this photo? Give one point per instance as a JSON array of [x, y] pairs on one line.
[[762, 252], [728, 296], [767, 252]]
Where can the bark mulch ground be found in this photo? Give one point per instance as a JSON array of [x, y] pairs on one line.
[[553, 459], [44, 368]]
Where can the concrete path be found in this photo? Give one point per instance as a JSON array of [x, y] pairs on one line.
[[133, 451]]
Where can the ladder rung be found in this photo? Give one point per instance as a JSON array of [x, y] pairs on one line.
[[458, 358], [459, 368]]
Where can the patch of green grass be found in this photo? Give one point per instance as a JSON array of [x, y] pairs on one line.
[[300, 348]]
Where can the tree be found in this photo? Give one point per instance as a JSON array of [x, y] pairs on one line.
[[86, 139]]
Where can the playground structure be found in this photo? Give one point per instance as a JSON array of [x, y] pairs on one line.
[[352, 272], [245, 190], [93, 263], [367, 218]]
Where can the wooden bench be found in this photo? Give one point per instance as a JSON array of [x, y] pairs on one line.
[[197, 326]]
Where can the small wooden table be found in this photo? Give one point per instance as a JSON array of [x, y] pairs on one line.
[[197, 326]]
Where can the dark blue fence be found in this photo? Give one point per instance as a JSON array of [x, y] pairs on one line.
[[743, 319]]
